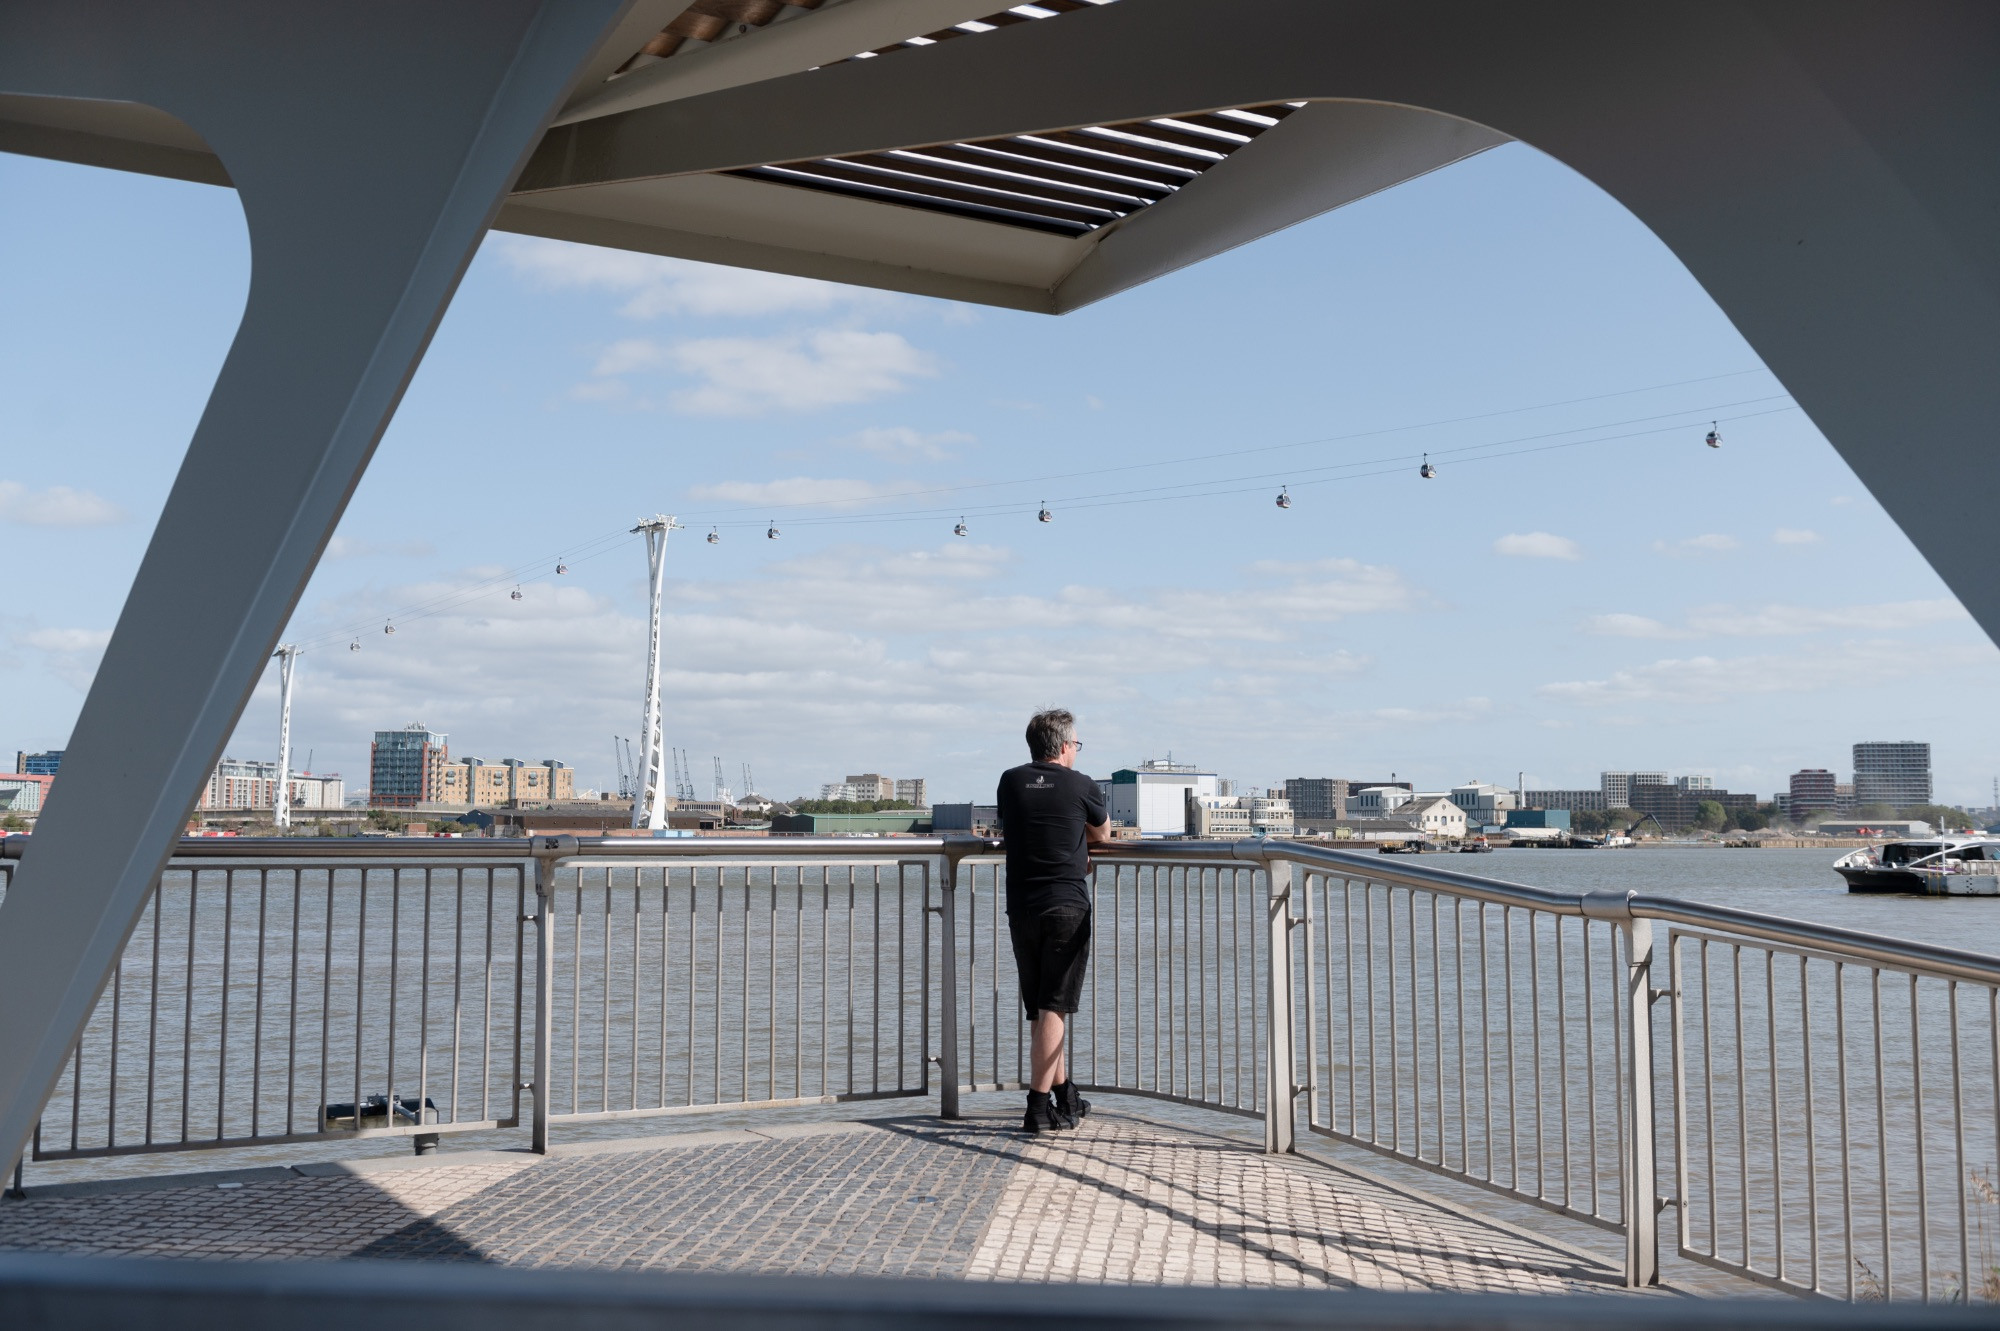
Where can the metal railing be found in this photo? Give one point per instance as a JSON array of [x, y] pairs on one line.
[[1832, 1099], [1836, 1106], [262, 1003]]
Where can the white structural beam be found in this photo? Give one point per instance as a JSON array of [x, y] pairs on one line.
[[370, 145], [281, 801], [649, 801]]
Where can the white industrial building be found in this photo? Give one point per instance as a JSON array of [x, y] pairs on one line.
[[1377, 801], [1153, 797], [1232, 817], [1484, 805]]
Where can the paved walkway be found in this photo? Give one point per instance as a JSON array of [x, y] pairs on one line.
[[1122, 1200]]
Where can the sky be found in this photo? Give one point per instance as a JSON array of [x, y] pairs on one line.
[[1582, 586]]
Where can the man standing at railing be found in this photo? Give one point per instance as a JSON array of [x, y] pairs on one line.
[[1051, 814]]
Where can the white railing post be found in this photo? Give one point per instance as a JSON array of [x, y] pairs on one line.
[[1279, 1069], [549, 851], [1642, 1215], [1640, 1167], [947, 909]]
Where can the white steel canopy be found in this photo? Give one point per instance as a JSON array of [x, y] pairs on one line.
[[1826, 170]]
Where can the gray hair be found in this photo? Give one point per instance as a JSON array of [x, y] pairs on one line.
[[1048, 732]]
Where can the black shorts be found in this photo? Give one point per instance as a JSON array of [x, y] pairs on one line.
[[1052, 954]]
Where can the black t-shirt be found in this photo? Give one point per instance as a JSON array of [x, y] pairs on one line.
[[1044, 809]]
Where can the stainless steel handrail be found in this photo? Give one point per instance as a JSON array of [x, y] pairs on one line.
[[1165, 951]]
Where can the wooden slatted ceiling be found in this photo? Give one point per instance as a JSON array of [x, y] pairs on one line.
[[1069, 182]]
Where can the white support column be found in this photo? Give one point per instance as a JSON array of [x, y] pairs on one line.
[[649, 802], [1639, 1170], [281, 803], [1642, 1216], [1280, 1058], [370, 148]]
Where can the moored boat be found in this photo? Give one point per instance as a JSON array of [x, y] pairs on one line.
[[1908, 867]]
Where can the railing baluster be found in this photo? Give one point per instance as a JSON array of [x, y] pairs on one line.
[[1846, 1154], [1742, 1105], [1882, 1132], [1812, 1157], [1917, 1123], [1958, 1142], [1777, 1125], [1535, 1047], [1708, 1101]]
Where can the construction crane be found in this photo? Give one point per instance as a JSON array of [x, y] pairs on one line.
[[749, 788], [683, 775], [620, 749], [721, 791]]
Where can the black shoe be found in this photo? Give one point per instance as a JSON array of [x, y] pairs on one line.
[[1042, 1115], [1070, 1103]]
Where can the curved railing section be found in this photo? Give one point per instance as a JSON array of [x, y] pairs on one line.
[[1819, 1108]]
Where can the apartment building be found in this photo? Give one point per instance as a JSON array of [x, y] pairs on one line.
[[509, 783], [238, 783], [406, 767], [1892, 772]]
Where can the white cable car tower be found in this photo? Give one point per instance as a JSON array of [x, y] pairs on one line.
[[649, 804], [281, 803]]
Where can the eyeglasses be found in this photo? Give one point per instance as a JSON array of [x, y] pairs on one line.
[[1076, 744]]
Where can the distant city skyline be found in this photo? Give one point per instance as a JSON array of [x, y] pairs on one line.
[[1620, 594]]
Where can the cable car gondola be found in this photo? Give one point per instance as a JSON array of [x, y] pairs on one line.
[[389, 626], [960, 529], [514, 595], [715, 537], [354, 646], [772, 534], [1427, 471], [1045, 515], [1714, 439], [561, 568], [1284, 496]]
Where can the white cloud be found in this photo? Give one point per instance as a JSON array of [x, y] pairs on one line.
[[1709, 679], [1772, 621], [1537, 545], [71, 654], [1777, 621], [57, 506], [747, 376], [793, 490], [653, 286], [345, 547], [1629, 626], [66, 640], [1709, 543], [1794, 536], [911, 659], [902, 442]]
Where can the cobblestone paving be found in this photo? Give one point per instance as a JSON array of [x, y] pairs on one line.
[[859, 1203], [279, 1220], [1121, 1200]]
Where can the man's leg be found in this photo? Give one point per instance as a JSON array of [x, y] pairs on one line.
[[1045, 1060]]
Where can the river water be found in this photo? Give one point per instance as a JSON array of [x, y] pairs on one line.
[[1800, 884]]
